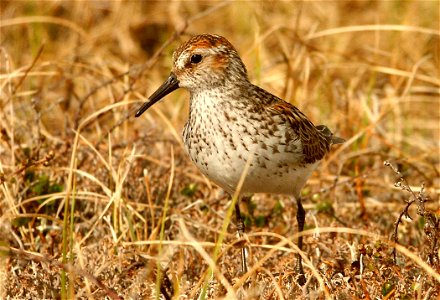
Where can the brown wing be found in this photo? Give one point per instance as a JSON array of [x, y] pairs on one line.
[[314, 142]]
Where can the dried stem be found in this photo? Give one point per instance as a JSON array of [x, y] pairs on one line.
[[432, 224]]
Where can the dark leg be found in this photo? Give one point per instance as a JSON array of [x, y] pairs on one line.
[[300, 217], [240, 231]]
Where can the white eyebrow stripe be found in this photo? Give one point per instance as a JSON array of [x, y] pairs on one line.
[[180, 62]]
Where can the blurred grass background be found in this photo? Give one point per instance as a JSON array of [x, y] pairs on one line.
[[83, 183]]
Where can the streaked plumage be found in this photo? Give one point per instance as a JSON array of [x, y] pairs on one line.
[[230, 120]]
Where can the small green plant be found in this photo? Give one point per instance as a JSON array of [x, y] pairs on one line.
[[189, 190]]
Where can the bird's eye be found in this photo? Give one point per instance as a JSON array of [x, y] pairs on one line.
[[196, 58]]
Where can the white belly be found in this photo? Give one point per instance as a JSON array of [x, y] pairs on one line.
[[220, 148]]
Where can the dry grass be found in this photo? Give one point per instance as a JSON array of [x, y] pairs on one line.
[[97, 204]]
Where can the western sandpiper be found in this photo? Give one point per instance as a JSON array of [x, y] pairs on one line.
[[232, 120]]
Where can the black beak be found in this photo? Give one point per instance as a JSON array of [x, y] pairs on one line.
[[167, 87]]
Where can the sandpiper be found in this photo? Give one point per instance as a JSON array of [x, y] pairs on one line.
[[231, 120]]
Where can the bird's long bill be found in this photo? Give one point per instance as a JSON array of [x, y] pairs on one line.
[[167, 87]]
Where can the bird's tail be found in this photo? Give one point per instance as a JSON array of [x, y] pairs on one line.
[[327, 132]]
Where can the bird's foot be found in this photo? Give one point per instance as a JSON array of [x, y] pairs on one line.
[[301, 277]]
